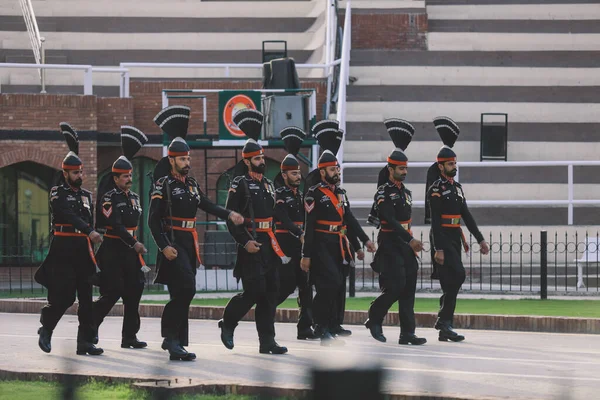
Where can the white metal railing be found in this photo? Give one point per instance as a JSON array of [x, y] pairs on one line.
[[344, 78], [569, 202]]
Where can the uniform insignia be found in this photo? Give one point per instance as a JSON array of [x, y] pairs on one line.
[[324, 199], [178, 191], [446, 192], [194, 190], [107, 209], [86, 201], [280, 201], [232, 189], [309, 204], [71, 198]]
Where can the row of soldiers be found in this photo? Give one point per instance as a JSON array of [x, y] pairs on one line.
[[286, 239]]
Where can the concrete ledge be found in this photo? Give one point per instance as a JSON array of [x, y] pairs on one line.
[[173, 386], [461, 321]]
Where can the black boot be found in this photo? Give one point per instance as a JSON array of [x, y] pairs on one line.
[[411, 339], [84, 348], [226, 335], [340, 331], [176, 351], [376, 331], [328, 340], [132, 342], [306, 334], [45, 338], [446, 332], [272, 347]]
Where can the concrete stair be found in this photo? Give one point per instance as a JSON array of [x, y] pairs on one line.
[[539, 62]]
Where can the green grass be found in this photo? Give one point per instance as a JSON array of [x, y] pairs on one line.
[[25, 390], [559, 308]]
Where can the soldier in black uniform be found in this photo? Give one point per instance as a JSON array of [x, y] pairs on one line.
[[258, 252], [448, 206], [289, 223], [326, 249], [175, 199], [70, 263], [120, 255], [395, 260]]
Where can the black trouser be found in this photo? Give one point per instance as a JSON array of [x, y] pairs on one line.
[[182, 288], [398, 282], [121, 277], [340, 303], [68, 278], [327, 274], [262, 291], [291, 277], [452, 275]]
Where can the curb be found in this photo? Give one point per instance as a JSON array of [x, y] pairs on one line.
[[173, 386], [526, 323]]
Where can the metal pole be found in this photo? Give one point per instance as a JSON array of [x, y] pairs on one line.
[[88, 82], [570, 191], [544, 265], [43, 70]]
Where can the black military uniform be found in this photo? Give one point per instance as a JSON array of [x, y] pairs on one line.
[[395, 260], [253, 196], [326, 244], [172, 219], [118, 215], [448, 206], [70, 263], [289, 223]]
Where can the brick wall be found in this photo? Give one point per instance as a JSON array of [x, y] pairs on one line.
[[148, 102], [45, 112], [114, 112], [393, 29]]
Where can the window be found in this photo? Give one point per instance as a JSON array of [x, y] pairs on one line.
[[24, 212]]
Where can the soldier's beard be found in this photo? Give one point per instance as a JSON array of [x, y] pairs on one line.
[[183, 171], [259, 169], [400, 177], [451, 173], [76, 183], [332, 180]]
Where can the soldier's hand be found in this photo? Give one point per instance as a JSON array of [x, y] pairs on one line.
[[360, 255], [95, 237], [236, 218], [371, 248], [139, 248], [170, 253], [252, 246], [484, 248], [305, 264], [439, 257], [416, 245]]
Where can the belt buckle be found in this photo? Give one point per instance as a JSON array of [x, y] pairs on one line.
[[456, 221], [189, 224], [405, 226], [332, 228], [264, 225]]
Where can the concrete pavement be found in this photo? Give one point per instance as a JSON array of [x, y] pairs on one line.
[[489, 364]]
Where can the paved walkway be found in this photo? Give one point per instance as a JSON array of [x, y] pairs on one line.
[[489, 364]]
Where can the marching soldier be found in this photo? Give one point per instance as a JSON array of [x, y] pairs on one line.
[[326, 249], [258, 252], [448, 206], [120, 255], [395, 260], [70, 263], [289, 213], [175, 199]]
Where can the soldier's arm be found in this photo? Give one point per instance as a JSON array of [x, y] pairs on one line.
[[111, 210], [235, 196], [470, 221], [386, 212], [282, 215], [206, 205], [353, 224], [433, 174], [155, 215], [60, 205], [353, 239], [435, 205], [309, 227]]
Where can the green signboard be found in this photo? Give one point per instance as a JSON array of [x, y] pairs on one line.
[[230, 102]]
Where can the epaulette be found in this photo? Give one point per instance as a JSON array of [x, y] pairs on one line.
[[161, 181], [282, 189], [237, 179]]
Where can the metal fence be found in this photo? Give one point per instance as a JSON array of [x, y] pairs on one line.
[[515, 264]]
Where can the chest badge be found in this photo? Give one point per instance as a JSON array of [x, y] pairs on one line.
[[86, 202]]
